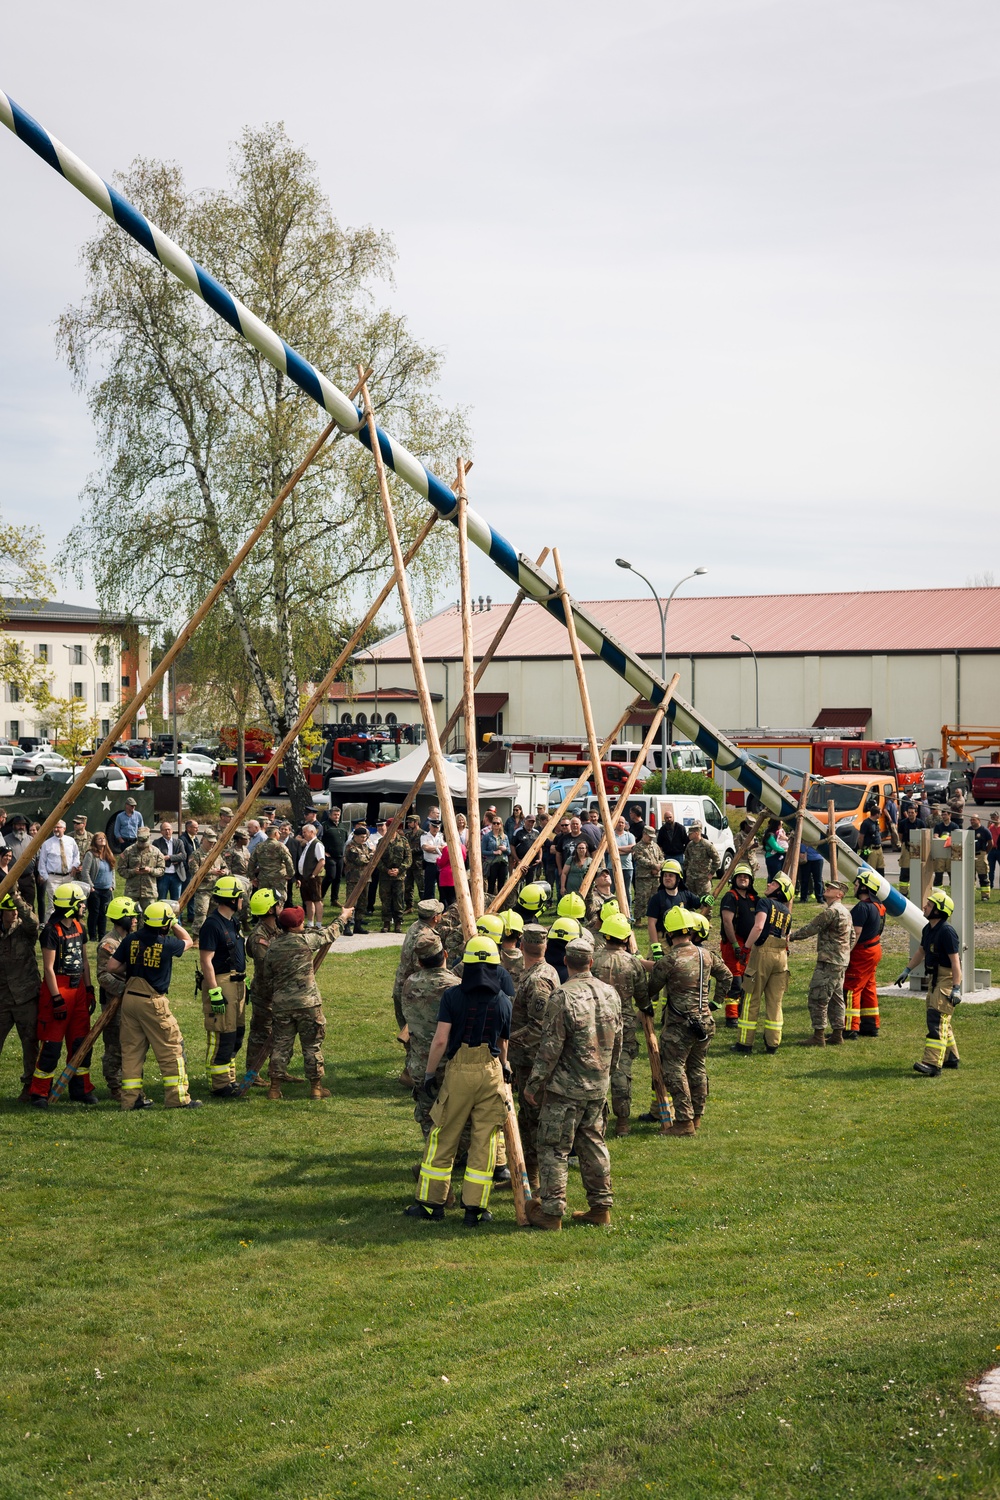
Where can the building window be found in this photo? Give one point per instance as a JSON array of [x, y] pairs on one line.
[[78, 691], [77, 653], [362, 721], [390, 720], [104, 655], [14, 729], [42, 731], [13, 693], [105, 692], [345, 719], [105, 728], [125, 681], [42, 652]]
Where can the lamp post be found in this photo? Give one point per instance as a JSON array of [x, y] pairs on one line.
[[663, 610], [756, 677], [85, 656], [374, 658]]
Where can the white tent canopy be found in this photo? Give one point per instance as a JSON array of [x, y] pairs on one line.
[[395, 780]]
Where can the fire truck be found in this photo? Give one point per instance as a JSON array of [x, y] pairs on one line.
[[524, 755], [827, 753], [340, 755]]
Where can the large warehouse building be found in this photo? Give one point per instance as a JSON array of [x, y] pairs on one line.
[[899, 662]]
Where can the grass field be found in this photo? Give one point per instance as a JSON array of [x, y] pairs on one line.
[[228, 1303]]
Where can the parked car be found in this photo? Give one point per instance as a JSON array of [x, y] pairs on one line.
[[686, 810], [10, 781], [29, 742], [104, 779], [189, 765], [133, 772], [941, 781], [986, 785], [37, 762], [851, 796]]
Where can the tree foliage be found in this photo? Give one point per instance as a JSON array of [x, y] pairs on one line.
[[685, 784], [197, 432]]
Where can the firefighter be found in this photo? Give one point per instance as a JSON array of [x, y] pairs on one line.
[[222, 957], [767, 969], [572, 905], [738, 909], [860, 993], [66, 997], [510, 946], [669, 893], [939, 952], [530, 900], [870, 837], [146, 959], [124, 915]]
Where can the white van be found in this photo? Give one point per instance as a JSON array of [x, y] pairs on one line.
[[687, 810]]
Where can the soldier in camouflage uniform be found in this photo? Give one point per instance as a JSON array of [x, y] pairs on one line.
[[141, 867], [411, 832], [20, 981], [429, 915], [646, 860], [579, 1048], [701, 863], [285, 980], [271, 865], [452, 935], [124, 915], [833, 928], [394, 864], [510, 944], [264, 907], [421, 1002], [602, 890], [534, 984], [625, 972], [357, 869], [688, 1026]]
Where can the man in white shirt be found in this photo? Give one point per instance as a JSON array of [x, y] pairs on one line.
[[310, 870], [431, 844], [58, 861]]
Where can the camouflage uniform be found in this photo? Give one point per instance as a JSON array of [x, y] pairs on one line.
[[408, 959], [237, 861], [141, 867], [451, 934], [701, 864], [357, 862], [684, 974], [580, 1045], [512, 960], [421, 1002], [261, 1012], [832, 926], [413, 869], [647, 857], [285, 981], [534, 986], [392, 888], [111, 987], [271, 867], [625, 973], [19, 983]]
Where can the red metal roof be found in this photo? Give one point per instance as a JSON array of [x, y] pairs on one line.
[[488, 704], [896, 620], [842, 718]]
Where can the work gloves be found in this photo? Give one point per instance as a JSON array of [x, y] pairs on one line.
[[217, 1001], [903, 977], [91, 1001], [508, 1076], [425, 1093], [656, 950]]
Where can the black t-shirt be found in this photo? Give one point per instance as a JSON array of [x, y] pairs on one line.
[[66, 937], [672, 839], [565, 845], [522, 842], [777, 919], [477, 1015], [871, 834], [939, 942], [149, 954], [945, 830], [221, 937], [869, 918], [744, 910], [907, 825], [662, 901]]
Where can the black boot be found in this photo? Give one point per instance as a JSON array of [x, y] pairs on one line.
[[951, 1061], [741, 1047], [425, 1212], [501, 1177], [927, 1069], [474, 1216]]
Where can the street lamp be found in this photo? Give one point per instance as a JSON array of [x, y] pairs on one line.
[[374, 658], [85, 656], [756, 675], [622, 562]]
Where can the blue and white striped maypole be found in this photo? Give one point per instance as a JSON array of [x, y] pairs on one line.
[[349, 418]]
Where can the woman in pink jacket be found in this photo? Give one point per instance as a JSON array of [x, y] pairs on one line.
[[446, 875]]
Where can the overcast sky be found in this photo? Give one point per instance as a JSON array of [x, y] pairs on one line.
[[717, 279]]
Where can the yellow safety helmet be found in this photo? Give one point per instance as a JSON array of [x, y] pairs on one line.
[[614, 925], [123, 909], [490, 925], [532, 897], [610, 908], [678, 919], [513, 922], [481, 950], [700, 924], [942, 902], [672, 867], [564, 929], [784, 885], [572, 905], [263, 901], [69, 898], [7, 902], [227, 888], [159, 914], [741, 869], [869, 880]]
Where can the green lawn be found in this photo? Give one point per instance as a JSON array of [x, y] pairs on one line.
[[229, 1303]]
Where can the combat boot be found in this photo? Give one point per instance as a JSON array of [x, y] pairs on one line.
[[599, 1216], [427, 1213], [741, 1047], [115, 1093], [731, 1023], [317, 1091], [24, 1097], [274, 1089], [622, 1125], [474, 1216], [537, 1219], [836, 1037], [534, 1182], [501, 1177], [680, 1127], [927, 1069], [697, 1122], [818, 1039], [951, 1061]]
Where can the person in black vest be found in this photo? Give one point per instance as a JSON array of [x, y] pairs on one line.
[[767, 971], [334, 834], [672, 836], [222, 957], [940, 954]]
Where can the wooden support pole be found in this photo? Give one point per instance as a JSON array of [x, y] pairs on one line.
[[554, 817], [420, 676], [831, 838], [629, 786], [414, 792], [743, 847], [159, 672], [469, 703]]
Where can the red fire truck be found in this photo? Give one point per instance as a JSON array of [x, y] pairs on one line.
[[826, 753], [347, 755]]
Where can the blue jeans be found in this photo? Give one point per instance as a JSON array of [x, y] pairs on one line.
[[168, 887]]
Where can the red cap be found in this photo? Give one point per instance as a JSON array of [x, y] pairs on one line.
[[291, 916]]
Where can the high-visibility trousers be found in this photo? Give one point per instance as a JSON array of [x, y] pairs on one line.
[[473, 1091], [940, 1041], [767, 976], [147, 1021], [860, 994], [51, 1034], [736, 963], [225, 1033]]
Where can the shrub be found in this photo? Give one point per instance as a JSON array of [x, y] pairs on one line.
[[685, 784], [203, 797]]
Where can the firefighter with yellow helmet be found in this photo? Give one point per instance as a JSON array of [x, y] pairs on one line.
[[124, 914], [767, 969], [940, 954], [222, 960], [65, 998], [145, 958]]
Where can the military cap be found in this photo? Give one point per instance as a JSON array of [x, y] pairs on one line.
[[579, 951], [427, 944], [291, 916], [430, 908], [534, 935], [142, 835], [840, 885]]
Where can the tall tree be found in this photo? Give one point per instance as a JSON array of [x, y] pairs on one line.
[[197, 433]]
